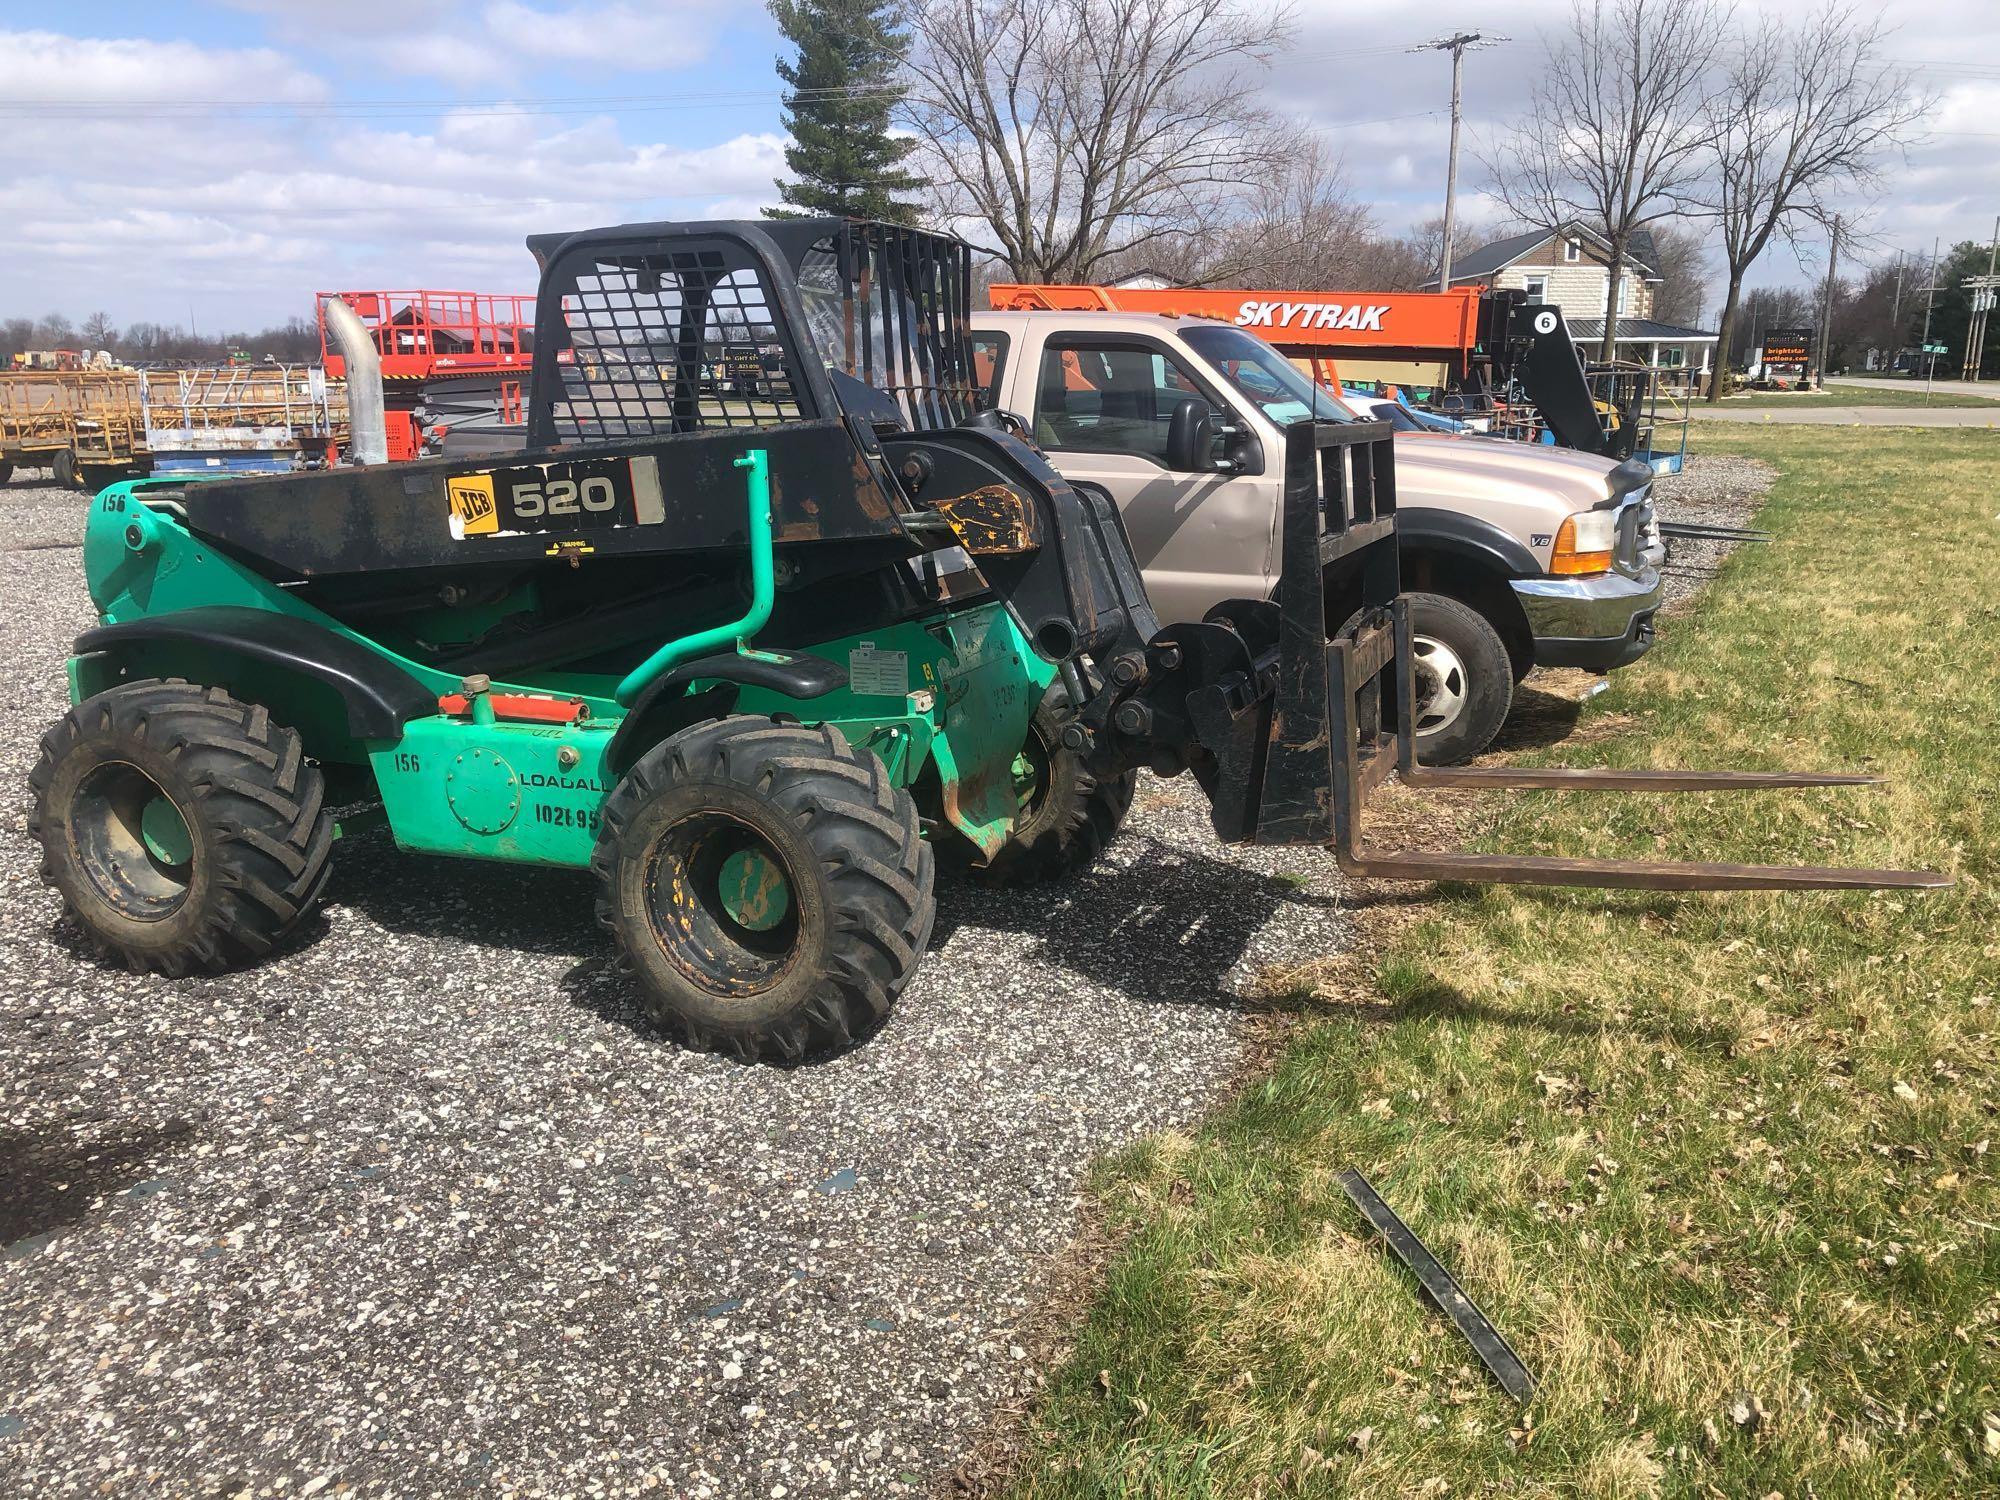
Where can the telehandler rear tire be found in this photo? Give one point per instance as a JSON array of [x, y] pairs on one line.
[[767, 885], [185, 830], [1070, 816]]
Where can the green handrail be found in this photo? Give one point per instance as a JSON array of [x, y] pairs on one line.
[[762, 591]]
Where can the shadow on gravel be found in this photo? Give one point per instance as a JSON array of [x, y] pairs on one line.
[[48, 1181], [524, 907], [1165, 928]]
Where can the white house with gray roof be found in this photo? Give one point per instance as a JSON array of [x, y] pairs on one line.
[[1571, 268]]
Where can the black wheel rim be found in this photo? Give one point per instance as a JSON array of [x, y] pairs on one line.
[[1034, 768], [723, 903], [132, 841]]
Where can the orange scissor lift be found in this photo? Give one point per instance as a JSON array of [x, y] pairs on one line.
[[460, 355]]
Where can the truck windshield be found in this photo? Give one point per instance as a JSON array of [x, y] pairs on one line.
[[1279, 387]]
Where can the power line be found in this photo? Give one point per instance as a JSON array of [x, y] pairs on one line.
[[16, 106]]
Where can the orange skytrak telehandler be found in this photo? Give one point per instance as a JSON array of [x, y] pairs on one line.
[[1503, 355]]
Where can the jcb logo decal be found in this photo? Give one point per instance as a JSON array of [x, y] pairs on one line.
[[1255, 314], [472, 505]]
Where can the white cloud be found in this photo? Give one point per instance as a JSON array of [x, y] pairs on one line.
[[480, 46], [250, 216], [654, 35], [43, 65]]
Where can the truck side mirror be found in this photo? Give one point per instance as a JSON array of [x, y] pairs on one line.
[[1191, 437]]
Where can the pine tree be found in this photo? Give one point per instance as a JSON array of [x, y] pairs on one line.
[[842, 87]]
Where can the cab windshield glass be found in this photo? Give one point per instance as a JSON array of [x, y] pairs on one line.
[[1260, 372]]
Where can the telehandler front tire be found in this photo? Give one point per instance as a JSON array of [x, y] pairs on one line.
[[767, 886], [185, 830], [1070, 814]]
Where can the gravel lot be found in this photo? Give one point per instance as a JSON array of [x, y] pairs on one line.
[[1716, 489], [419, 1206]]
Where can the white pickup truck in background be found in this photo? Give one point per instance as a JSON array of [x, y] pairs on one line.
[[1515, 555]]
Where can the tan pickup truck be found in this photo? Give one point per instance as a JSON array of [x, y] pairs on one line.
[[1516, 556]]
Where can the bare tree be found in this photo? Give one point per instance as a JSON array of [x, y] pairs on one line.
[[1305, 228], [1803, 112], [1078, 130], [1615, 125], [1680, 255], [1300, 226], [98, 331]]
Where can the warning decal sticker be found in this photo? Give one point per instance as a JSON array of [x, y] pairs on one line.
[[882, 674]]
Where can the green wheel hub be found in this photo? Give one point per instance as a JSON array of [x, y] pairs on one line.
[[165, 833], [754, 890]]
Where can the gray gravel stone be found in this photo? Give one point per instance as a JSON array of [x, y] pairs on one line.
[[419, 1205]]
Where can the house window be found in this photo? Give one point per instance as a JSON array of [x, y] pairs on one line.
[[1572, 250], [1538, 288]]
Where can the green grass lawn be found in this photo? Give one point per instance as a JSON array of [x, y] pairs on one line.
[[1689, 1152], [1851, 395]]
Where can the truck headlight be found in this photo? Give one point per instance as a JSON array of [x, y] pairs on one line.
[[1585, 542]]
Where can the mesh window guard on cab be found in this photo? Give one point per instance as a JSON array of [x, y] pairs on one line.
[[669, 341]]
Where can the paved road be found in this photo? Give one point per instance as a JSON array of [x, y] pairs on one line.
[[1856, 416], [1987, 388]]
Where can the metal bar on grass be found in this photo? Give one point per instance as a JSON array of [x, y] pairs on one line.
[[1494, 1351]]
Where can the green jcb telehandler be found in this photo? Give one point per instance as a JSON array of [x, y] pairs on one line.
[[745, 657]]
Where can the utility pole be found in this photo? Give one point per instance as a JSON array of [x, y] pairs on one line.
[[1930, 298], [1984, 289], [1826, 312], [1457, 45]]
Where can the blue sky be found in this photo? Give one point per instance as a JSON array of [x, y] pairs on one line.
[[227, 159]]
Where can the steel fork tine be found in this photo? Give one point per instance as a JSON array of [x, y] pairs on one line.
[[1611, 780]]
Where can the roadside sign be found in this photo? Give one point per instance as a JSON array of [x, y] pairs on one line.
[[1787, 346], [1937, 349]]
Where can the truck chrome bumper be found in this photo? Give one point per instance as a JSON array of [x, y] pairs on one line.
[[1596, 623]]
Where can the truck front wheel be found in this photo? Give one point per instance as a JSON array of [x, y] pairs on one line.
[[1465, 680], [185, 830], [768, 887]]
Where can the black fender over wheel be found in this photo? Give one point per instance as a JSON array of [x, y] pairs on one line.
[[1069, 815], [186, 831], [767, 885]]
